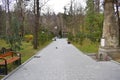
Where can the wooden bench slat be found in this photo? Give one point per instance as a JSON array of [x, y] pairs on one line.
[[9, 57], [11, 60], [6, 54]]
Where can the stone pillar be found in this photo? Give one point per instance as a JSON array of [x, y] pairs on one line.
[[110, 37]]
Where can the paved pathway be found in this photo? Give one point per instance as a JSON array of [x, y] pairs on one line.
[[64, 63]]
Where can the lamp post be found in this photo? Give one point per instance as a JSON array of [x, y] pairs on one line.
[[56, 30]]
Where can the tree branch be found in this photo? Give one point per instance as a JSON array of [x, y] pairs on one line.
[[44, 3]]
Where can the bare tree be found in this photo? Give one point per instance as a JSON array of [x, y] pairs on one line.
[[37, 11], [8, 18], [97, 6], [0, 19], [20, 9], [37, 15]]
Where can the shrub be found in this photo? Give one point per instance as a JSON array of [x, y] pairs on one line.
[[28, 37]]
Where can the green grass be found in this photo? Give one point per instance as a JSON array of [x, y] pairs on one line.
[[28, 51], [90, 48], [3, 44], [87, 46]]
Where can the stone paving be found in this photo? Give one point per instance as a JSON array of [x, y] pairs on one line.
[[62, 61]]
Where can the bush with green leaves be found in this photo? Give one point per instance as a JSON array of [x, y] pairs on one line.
[[45, 36], [80, 37], [70, 37]]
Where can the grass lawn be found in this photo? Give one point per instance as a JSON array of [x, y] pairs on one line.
[[87, 46], [3, 44], [92, 48], [27, 52]]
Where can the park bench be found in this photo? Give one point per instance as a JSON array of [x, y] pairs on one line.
[[7, 58]]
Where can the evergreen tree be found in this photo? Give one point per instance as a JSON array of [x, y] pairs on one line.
[[90, 15], [14, 40], [94, 21]]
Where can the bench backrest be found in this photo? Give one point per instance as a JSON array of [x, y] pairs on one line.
[[6, 54]]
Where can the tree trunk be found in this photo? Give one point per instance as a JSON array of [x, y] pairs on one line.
[[1, 20], [110, 26], [97, 7], [118, 16], [110, 37], [21, 18], [8, 19], [37, 14]]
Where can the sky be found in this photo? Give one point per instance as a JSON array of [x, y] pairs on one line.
[[0, 2], [56, 5]]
